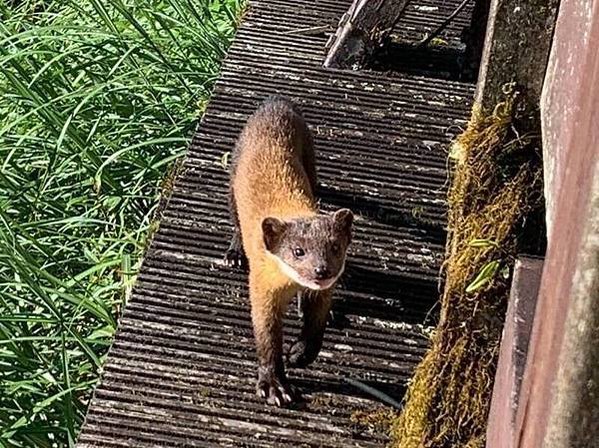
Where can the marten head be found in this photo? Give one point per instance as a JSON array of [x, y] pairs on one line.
[[311, 251]]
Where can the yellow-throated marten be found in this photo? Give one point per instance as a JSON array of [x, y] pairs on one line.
[[290, 248]]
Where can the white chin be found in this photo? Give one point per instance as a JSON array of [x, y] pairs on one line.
[[317, 286], [314, 285]]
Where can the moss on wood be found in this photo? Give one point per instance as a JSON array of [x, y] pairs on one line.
[[496, 186]]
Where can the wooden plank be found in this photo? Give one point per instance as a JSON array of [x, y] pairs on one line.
[[501, 431], [361, 31]]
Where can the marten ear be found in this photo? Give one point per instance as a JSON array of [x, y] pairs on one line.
[[343, 219], [272, 232]]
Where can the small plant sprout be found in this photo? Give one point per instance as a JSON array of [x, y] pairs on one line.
[[486, 274], [482, 242]]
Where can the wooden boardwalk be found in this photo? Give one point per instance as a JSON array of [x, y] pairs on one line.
[[181, 371]]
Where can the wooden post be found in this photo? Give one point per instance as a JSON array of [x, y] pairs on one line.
[[516, 50], [559, 405], [502, 430], [361, 30]]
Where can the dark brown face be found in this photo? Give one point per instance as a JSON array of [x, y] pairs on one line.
[[311, 251]]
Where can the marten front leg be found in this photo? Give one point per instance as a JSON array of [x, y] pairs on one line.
[[235, 255], [315, 307], [267, 318]]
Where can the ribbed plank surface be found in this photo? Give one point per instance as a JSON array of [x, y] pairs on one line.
[[181, 370]]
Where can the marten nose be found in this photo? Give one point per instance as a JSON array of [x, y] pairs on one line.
[[321, 272]]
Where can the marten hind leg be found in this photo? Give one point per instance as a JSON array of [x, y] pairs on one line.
[[235, 255], [315, 307], [268, 309]]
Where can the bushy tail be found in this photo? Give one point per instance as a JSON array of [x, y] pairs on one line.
[[279, 102]]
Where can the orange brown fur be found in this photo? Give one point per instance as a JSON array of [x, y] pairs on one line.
[[269, 181]]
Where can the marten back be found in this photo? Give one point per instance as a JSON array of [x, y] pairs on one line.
[[273, 170]]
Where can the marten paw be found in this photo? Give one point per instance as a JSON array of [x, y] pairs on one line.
[[276, 392], [235, 257], [300, 355]]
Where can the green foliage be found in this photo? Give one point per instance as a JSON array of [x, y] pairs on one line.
[[97, 99], [483, 243], [484, 277]]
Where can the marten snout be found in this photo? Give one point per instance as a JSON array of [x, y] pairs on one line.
[[321, 273]]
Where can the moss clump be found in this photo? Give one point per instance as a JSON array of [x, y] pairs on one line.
[[378, 420], [496, 185]]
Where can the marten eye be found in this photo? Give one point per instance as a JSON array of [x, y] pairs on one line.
[[298, 252]]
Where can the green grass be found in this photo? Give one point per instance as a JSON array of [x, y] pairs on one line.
[[97, 99]]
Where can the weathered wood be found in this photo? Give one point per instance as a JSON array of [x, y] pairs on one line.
[[428, 39], [560, 407], [516, 50], [575, 48], [501, 431], [361, 31], [574, 415]]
